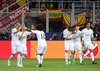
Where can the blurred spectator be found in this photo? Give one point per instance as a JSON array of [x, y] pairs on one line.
[[32, 37], [67, 4], [54, 37], [9, 38], [61, 36], [97, 29], [93, 27], [3, 35]]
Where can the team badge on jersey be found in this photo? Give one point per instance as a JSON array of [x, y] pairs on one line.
[[95, 50]]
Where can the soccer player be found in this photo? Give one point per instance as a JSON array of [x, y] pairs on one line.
[[15, 43], [23, 37], [77, 43], [69, 44], [42, 45], [87, 34]]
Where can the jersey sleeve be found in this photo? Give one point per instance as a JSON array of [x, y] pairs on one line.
[[82, 33], [28, 33], [35, 31], [64, 34], [13, 31]]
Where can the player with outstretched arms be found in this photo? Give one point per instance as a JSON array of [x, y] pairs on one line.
[[42, 45], [87, 34], [15, 43], [69, 44]]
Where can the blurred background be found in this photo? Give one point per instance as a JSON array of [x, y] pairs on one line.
[[54, 15]]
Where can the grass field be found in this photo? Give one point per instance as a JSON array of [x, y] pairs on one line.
[[50, 65]]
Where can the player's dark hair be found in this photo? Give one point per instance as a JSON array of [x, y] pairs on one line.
[[40, 27], [88, 22], [69, 28], [74, 26]]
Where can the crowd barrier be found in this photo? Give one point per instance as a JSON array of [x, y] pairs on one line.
[[55, 50]]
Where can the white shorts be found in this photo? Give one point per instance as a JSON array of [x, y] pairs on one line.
[[24, 50], [88, 45], [16, 48], [77, 45], [41, 49], [69, 45]]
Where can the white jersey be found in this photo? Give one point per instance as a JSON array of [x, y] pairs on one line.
[[78, 36], [41, 37], [24, 37], [68, 43], [15, 40], [67, 34], [87, 34]]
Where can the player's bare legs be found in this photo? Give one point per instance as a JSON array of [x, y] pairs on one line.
[[40, 59], [9, 60], [83, 56], [80, 56], [73, 56], [19, 60], [66, 56], [92, 56]]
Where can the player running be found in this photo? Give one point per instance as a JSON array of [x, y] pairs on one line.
[[77, 43], [15, 43], [87, 34], [42, 45], [69, 44]]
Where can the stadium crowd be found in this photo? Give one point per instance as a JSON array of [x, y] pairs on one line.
[[96, 31]]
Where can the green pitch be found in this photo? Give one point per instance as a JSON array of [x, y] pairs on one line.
[[49, 65]]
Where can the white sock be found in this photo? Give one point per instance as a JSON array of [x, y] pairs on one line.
[[80, 56], [92, 56], [11, 57], [41, 59], [70, 56], [21, 60], [38, 58], [66, 56], [83, 56], [23, 57], [18, 59]]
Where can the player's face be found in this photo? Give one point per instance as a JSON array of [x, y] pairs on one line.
[[23, 28], [32, 27], [17, 26], [88, 25]]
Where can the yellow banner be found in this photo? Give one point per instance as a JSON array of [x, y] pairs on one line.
[[80, 18], [53, 13]]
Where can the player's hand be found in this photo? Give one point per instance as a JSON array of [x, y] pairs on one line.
[[74, 38]]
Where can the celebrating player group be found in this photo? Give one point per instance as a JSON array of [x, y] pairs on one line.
[[72, 35], [19, 37]]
